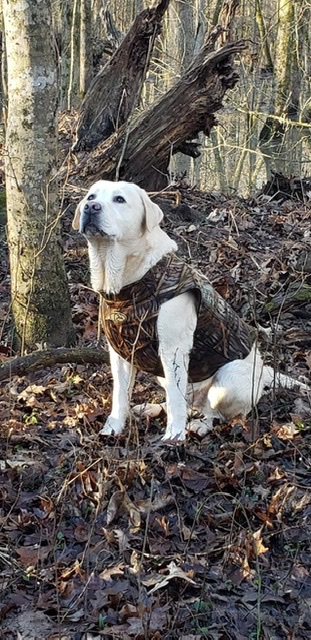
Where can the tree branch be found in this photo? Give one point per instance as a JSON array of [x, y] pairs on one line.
[[22, 365]]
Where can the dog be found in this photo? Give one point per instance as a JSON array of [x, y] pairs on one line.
[[154, 325]]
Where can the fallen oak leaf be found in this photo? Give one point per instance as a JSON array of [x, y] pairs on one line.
[[174, 572], [115, 570], [258, 543], [32, 555]]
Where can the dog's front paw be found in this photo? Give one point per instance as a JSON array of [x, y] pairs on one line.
[[174, 435], [148, 410], [200, 426], [112, 427]]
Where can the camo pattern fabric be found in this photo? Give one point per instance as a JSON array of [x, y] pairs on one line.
[[129, 319]]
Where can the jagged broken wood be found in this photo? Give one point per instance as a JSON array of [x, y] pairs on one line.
[[23, 365], [115, 91], [141, 149]]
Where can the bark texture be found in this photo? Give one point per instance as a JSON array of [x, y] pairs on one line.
[[114, 92], [141, 151], [40, 298]]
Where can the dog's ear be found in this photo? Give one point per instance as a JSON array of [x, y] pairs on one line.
[[76, 219], [153, 213]]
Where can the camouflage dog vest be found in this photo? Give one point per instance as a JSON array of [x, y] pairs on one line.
[[130, 317]]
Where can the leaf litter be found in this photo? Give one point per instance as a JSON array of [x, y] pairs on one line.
[[129, 539]]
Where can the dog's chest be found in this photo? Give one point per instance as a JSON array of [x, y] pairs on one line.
[[130, 321]]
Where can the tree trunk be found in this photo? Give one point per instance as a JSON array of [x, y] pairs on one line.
[[73, 94], [279, 141], [284, 56], [263, 36], [86, 38], [40, 298], [63, 38], [115, 91], [141, 152], [183, 54]]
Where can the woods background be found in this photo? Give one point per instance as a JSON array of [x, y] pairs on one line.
[[275, 74], [134, 90], [123, 539]]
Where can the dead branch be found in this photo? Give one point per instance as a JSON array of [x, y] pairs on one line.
[[22, 365], [115, 90], [141, 151]]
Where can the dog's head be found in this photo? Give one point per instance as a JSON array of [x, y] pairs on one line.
[[116, 210]]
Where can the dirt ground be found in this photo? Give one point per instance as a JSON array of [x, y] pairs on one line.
[[130, 539]]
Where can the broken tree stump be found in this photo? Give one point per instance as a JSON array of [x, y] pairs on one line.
[[115, 90], [141, 149]]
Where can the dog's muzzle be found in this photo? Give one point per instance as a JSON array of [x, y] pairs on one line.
[[89, 221]]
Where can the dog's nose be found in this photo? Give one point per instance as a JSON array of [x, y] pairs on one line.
[[92, 207]]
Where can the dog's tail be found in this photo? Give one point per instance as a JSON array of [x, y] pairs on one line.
[[272, 378]]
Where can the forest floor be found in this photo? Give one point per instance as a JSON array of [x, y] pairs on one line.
[[133, 539]]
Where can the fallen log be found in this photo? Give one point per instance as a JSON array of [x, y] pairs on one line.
[[280, 187], [140, 151], [23, 365]]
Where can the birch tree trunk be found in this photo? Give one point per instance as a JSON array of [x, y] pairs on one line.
[[40, 298]]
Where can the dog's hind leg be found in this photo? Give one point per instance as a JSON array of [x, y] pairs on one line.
[[232, 392], [198, 403], [123, 380]]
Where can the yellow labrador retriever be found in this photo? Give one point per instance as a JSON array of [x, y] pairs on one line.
[[163, 317]]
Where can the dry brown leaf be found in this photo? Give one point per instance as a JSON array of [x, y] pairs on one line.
[[258, 543], [174, 572], [123, 540], [132, 511], [115, 570], [114, 505], [31, 390], [32, 555], [285, 431], [193, 479]]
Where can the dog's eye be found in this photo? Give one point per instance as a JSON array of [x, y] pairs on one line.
[[92, 196], [118, 199]]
